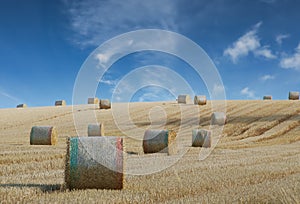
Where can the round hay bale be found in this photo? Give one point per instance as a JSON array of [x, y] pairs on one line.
[[201, 138], [293, 95], [218, 118], [105, 104], [93, 100], [60, 103], [43, 135], [267, 97], [163, 141], [94, 163], [184, 99], [22, 105], [96, 129], [200, 100]]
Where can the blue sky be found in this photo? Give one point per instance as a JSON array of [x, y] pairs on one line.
[[255, 45]]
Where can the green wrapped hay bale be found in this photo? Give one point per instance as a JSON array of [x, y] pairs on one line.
[[43, 135], [184, 99], [105, 104], [60, 103], [218, 118], [93, 100], [293, 95], [23, 105], [267, 97], [96, 129], [94, 163], [200, 100], [163, 141], [201, 138]]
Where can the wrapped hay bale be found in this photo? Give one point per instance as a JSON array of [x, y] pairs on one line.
[[93, 100], [22, 105], [43, 135], [218, 118], [96, 129], [267, 98], [60, 103], [200, 100], [183, 99], [94, 162], [105, 104], [201, 138], [163, 141], [293, 95]]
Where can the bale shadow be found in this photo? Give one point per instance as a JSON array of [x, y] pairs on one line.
[[45, 188]]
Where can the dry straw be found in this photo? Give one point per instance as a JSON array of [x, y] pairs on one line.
[[22, 105], [267, 98], [184, 99], [60, 103], [96, 129], [94, 163], [163, 141], [201, 138], [293, 95], [200, 100], [93, 100], [105, 104], [218, 118], [43, 135]]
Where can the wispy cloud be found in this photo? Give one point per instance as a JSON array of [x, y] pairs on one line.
[[281, 37], [248, 93], [267, 77], [95, 21], [7, 95], [248, 43], [293, 61]]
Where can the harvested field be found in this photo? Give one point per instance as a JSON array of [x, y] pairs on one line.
[[257, 159]]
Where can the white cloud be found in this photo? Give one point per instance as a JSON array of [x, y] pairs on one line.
[[246, 44], [248, 93], [281, 37], [267, 77], [292, 62]]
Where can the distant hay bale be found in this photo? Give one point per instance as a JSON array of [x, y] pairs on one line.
[[201, 138], [218, 118], [163, 141], [96, 129], [60, 103], [43, 135], [200, 100], [93, 100], [105, 104], [22, 105], [267, 98], [293, 95], [94, 163], [184, 99]]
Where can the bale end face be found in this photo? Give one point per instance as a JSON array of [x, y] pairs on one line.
[[201, 138], [96, 129], [94, 163], [200, 100], [218, 118], [104, 104], [43, 135], [293, 95]]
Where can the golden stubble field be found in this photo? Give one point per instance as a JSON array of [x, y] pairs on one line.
[[257, 159]]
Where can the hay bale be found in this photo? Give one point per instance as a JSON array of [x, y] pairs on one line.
[[293, 95], [163, 141], [184, 99], [94, 163], [43, 135], [267, 98], [201, 138], [105, 104], [218, 118], [96, 129], [200, 100], [22, 105], [93, 100], [60, 103]]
